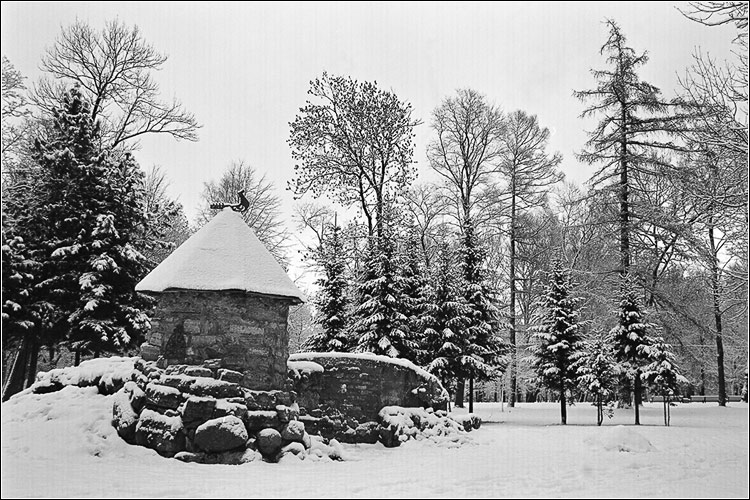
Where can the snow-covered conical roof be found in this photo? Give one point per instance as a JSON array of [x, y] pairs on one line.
[[224, 254]]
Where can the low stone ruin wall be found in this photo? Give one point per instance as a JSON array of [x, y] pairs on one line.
[[341, 394]]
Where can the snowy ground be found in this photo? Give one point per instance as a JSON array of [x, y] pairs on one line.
[[62, 444]]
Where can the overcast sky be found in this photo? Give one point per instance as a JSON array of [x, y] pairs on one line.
[[244, 69]]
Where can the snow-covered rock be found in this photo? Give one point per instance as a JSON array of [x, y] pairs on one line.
[[269, 441], [160, 432], [221, 434]]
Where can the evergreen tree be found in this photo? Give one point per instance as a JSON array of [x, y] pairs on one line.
[[481, 348], [331, 300], [662, 374], [380, 326], [598, 372], [413, 282], [444, 319], [630, 337], [77, 226], [558, 334]]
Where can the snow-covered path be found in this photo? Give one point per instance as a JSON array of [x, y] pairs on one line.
[[62, 444]]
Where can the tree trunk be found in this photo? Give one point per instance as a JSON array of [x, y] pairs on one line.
[[471, 394], [599, 410], [18, 373], [636, 395], [563, 407], [460, 393], [33, 360], [77, 360], [716, 293], [624, 202], [512, 306]]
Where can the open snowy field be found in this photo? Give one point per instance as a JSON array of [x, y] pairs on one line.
[[62, 444]]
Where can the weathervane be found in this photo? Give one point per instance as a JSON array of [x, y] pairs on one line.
[[241, 206]]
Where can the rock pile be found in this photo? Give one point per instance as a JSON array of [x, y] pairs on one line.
[[201, 414]]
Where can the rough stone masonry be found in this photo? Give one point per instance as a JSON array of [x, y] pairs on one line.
[[239, 331]]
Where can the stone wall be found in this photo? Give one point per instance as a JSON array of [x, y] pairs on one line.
[[238, 331], [360, 385]]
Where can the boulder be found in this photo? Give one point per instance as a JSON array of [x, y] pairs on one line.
[[257, 420], [388, 435], [229, 375], [149, 352], [160, 432], [293, 431], [260, 400], [124, 417], [235, 457], [190, 457], [287, 413], [197, 410], [163, 396], [198, 371], [268, 441], [367, 432], [293, 449], [110, 383], [221, 434], [225, 408], [178, 381], [135, 394], [47, 386], [205, 386]]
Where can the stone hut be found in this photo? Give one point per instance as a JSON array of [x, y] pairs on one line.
[[222, 301]]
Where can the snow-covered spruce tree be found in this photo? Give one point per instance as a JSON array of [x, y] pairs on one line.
[[630, 336], [331, 299], [481, 348], [21, 314], [598, 372], [91, 204], [379, 325], [444, 319], [557, 333], [662, 374], [413, 282]]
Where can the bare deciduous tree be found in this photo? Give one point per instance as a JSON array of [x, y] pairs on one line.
[[114, 68], [467, 148], [15, 124], [264, 213], [355, 143]]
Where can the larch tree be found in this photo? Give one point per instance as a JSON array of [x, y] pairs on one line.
[[530, 172], [558, 337], [354, 142], [627, 138]]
